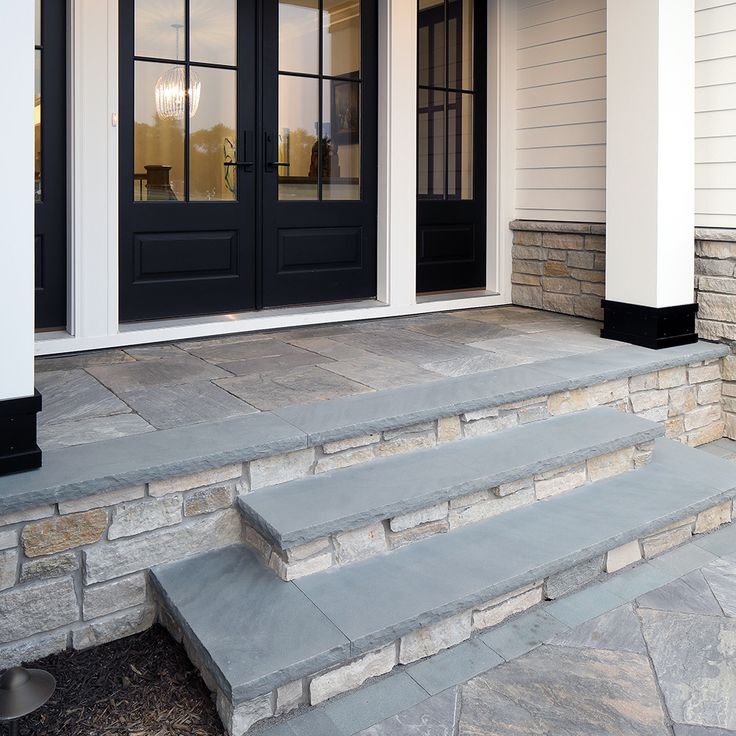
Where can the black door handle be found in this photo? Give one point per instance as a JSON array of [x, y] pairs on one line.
[[244, 164], [271, 164], [239, 163], [277, 163]]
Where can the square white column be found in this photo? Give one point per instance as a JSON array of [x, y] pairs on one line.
[[650, 172]]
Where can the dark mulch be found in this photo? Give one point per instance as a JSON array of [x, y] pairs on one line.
[[140, 686]]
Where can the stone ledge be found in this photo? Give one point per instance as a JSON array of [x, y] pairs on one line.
[[542, 226], [715, 234]]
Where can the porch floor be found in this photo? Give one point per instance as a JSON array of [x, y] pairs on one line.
[[114, 393]]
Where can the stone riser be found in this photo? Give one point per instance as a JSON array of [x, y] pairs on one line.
[[345, 547], [321, 686]]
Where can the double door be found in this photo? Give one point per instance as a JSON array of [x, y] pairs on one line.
[[247, 154]]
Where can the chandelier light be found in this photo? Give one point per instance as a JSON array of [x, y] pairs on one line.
[[171, 93]]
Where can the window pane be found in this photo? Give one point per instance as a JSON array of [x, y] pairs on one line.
[[213, 28], [158, 146], [460, 44], [459, 146], [341, 38], [213, 137], [431, 43], [299, 36], [38, 22], [341, 140], [298, 144], [37, 130], [431, 144], [159, 28]]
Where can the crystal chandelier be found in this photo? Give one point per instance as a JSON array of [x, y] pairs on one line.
[[171, 93], [171, 89]]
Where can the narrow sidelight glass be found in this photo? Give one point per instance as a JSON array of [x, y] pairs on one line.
[[341, 139], [341, 38]]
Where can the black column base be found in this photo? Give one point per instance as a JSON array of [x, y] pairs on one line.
[[18, 448], [650, 327]]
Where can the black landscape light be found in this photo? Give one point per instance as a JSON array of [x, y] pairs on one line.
[[21, 692]]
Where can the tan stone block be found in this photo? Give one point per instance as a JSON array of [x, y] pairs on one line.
[[525, 279], [49, 567], [460, 517], [506, 489], [585, 398], [344, 459], [674, 427], [9, 538], [527, 237], [613, 463], [703, 373], [290, 696], [270, 471], [560, 480], [295, 570], [8, 568], [309, 549], [399, 539], [353, 675], [256, 541], [502, 608], [436, 637], [38, 512], [60, 533], [729, 429], [644, 382], [704, 435], [703, 416], [672, 377], [208, 477], [100, 500], [563, 241], [351, 443], [482, 427], [129, 519], [682, 400], [556, 268], [709, 393], [402, 522], [728, 364], [712, 518], [409, 443], [623, 556], [656, 544], [449, 429], [207, 500], [644, 400], [595, 242], [359, 544]]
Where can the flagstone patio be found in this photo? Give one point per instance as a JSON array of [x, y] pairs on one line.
[[115, 393]]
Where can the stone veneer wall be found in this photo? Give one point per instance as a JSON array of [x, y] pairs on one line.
[[559, 267], [552, 270]]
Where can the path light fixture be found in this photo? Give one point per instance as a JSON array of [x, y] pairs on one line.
[[21, 692]]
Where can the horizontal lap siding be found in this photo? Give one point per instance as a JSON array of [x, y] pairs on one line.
[[715, 116], [561, 110]]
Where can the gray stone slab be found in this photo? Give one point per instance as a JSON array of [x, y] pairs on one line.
[[162, 372], [721, 542], [522, 634], [83, 470], [80, 360], [681, 730], [436, 716], [541, 346], [310, 508], [688, 594], [618, 629], [456, 329], [630, 584], [329, 347], [219, 351], [184, 404], [314, 722], [155, 352], [293, 358], [683, 559], [475, 364], [377, 600], [721, 577], [380, 372], [255, 631], [374, 703], [74, 394], [301, 386], [556, 690], [454, 666], [584, 605], [90, 429], [695, 661]]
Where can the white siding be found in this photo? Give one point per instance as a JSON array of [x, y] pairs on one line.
[[561, 111], [715, 116]]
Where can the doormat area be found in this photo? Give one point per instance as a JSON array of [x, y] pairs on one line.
[[143, 685]]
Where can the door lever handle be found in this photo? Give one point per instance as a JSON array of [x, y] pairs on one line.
[[239, 163], [278, 163]]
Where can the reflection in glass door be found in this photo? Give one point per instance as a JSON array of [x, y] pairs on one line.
[[451, 145], [50, 186]]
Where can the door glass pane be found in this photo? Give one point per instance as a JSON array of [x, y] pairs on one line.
[[158, 146], [298, 144], [159, 29], [38, 22], [341, 38], [460, 44], [212, 27], [213, 137], [37, 129], [299, 36], [459, 146], [341, 140], [431, 40], [431, 144]]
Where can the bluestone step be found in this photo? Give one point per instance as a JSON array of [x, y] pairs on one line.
[[254, 633], [308, 509]]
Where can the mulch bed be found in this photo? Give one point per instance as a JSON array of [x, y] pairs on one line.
[[140, 686]]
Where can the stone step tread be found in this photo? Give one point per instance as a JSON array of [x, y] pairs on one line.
[[310, 508], [254, 632]]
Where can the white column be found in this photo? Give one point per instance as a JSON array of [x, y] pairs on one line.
[[397, 148], [16, 201], [650, 152]]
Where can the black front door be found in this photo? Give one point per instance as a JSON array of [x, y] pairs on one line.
[[451, 148], [50, 164], [225, 205]]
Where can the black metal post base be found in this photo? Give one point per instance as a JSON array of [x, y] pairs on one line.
[[18, 448], [650, 327]]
